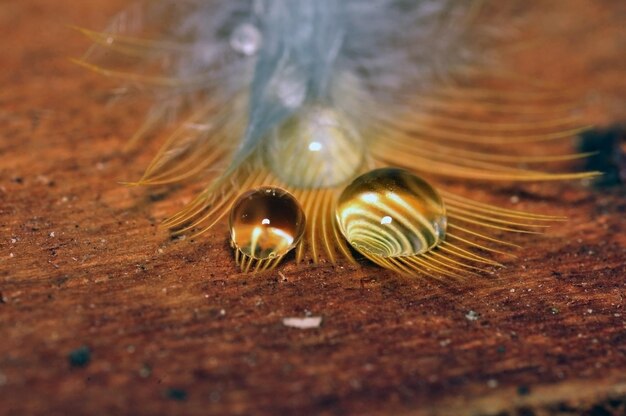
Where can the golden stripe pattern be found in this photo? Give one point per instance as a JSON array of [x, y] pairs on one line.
[[391, 213]]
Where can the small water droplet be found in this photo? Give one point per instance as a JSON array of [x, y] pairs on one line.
[[246, 39], [266, 223]]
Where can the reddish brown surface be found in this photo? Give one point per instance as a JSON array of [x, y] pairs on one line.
[[83, 263]]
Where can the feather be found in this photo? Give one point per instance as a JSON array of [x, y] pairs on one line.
[[308, 95]]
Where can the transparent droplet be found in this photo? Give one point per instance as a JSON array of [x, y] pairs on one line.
[[266, 223], [391, 213], [316, 148], [246, 39]]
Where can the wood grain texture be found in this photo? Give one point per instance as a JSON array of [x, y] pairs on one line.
[[171, 327]]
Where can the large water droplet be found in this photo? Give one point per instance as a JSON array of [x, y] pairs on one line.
[[266, 223], [316, 148], [391, 213]]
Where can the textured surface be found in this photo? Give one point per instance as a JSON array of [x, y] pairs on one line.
[[102, 313]]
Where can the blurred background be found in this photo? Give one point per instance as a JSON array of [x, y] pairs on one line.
[[101, 312]]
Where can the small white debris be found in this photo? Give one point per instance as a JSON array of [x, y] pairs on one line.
[[11, 255], [222, 312], [512, 290], [13, 240], [515, 199], [52, 234], [44, 180], [492, 383], [303, 323], [472, 316]]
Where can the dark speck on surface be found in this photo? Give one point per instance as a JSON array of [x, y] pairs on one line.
[[176, 394], [523, 390], [525, 412], [156, 197], [600, 411], [80, 357]]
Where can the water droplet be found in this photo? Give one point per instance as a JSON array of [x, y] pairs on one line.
[[316, 148], [266, 223], [391, 213], [246, 39]]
